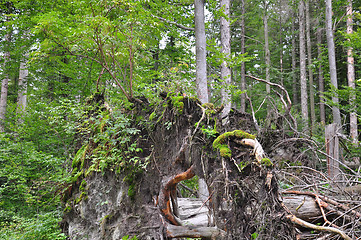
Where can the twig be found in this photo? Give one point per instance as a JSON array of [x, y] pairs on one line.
[[174, 23]]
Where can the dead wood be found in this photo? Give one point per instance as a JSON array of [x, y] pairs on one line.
[[302, 206], [305, 224], [190, 232]]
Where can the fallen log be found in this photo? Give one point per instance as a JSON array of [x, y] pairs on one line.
[[191, 232], [302, 206]]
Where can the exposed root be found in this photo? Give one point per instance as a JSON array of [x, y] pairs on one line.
[[167, 195]]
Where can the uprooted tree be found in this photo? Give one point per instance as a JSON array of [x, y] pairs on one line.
[[126, 173]]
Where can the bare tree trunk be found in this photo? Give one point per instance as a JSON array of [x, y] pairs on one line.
[[226, 50], [243, 64], [321, 84], [294, 64], [309, 58], [23, 86], [351, 78], [281, 42], [201, 62], [267, 52], [201, 69], [4, 86], [303, 75], [333, 151], [332, 60]]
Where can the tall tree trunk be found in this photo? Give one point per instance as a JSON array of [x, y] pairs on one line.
[[243, 64], [294, 63], [23, 86], [309, 58], [332, 61], [303, 75], [226, 50], [201, 71], [201, 64], [267, 52], [351, 78], [321, 84], [280, 42], [4, 85]]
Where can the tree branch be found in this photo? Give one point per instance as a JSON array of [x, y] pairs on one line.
[[305, 224], [174, 23]]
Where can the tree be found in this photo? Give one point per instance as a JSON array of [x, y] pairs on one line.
[[201, 56], [266, 48], [294, 61], [303, 75], [332, 61], [5, 81], [351, 77], [309, 63], [243, 51], [226, 51], [321, 85], [23, 85]]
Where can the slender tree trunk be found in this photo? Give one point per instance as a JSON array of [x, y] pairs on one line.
[[4, 86], [321, 84], [226, 50], [303, 75], [309, 58], [267, 52], [201, 64], [351, 78], [280, 42], [23, 86], [243, 64], [294, 63], [332, 61], [201, 71]]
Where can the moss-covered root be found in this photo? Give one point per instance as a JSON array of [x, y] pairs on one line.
[[221, 141]]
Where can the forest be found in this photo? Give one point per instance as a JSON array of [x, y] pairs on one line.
[[111, 110]]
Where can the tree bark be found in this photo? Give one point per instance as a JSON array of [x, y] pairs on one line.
[[243, 64], [332, 61], [294, 64], [303, 75], [23, 86], [201, 63], [267, 52], [351, 79], [4, 85], [226, 50], [321, 84], [333, 152], [309, 58]]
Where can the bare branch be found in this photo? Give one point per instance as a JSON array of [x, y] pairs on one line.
[[174, 23], [305, 224]]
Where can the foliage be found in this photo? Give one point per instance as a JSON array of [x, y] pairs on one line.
[[42, 226]]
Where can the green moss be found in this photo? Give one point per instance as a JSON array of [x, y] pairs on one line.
[[220, 142], [225, 151], [266, 162]]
